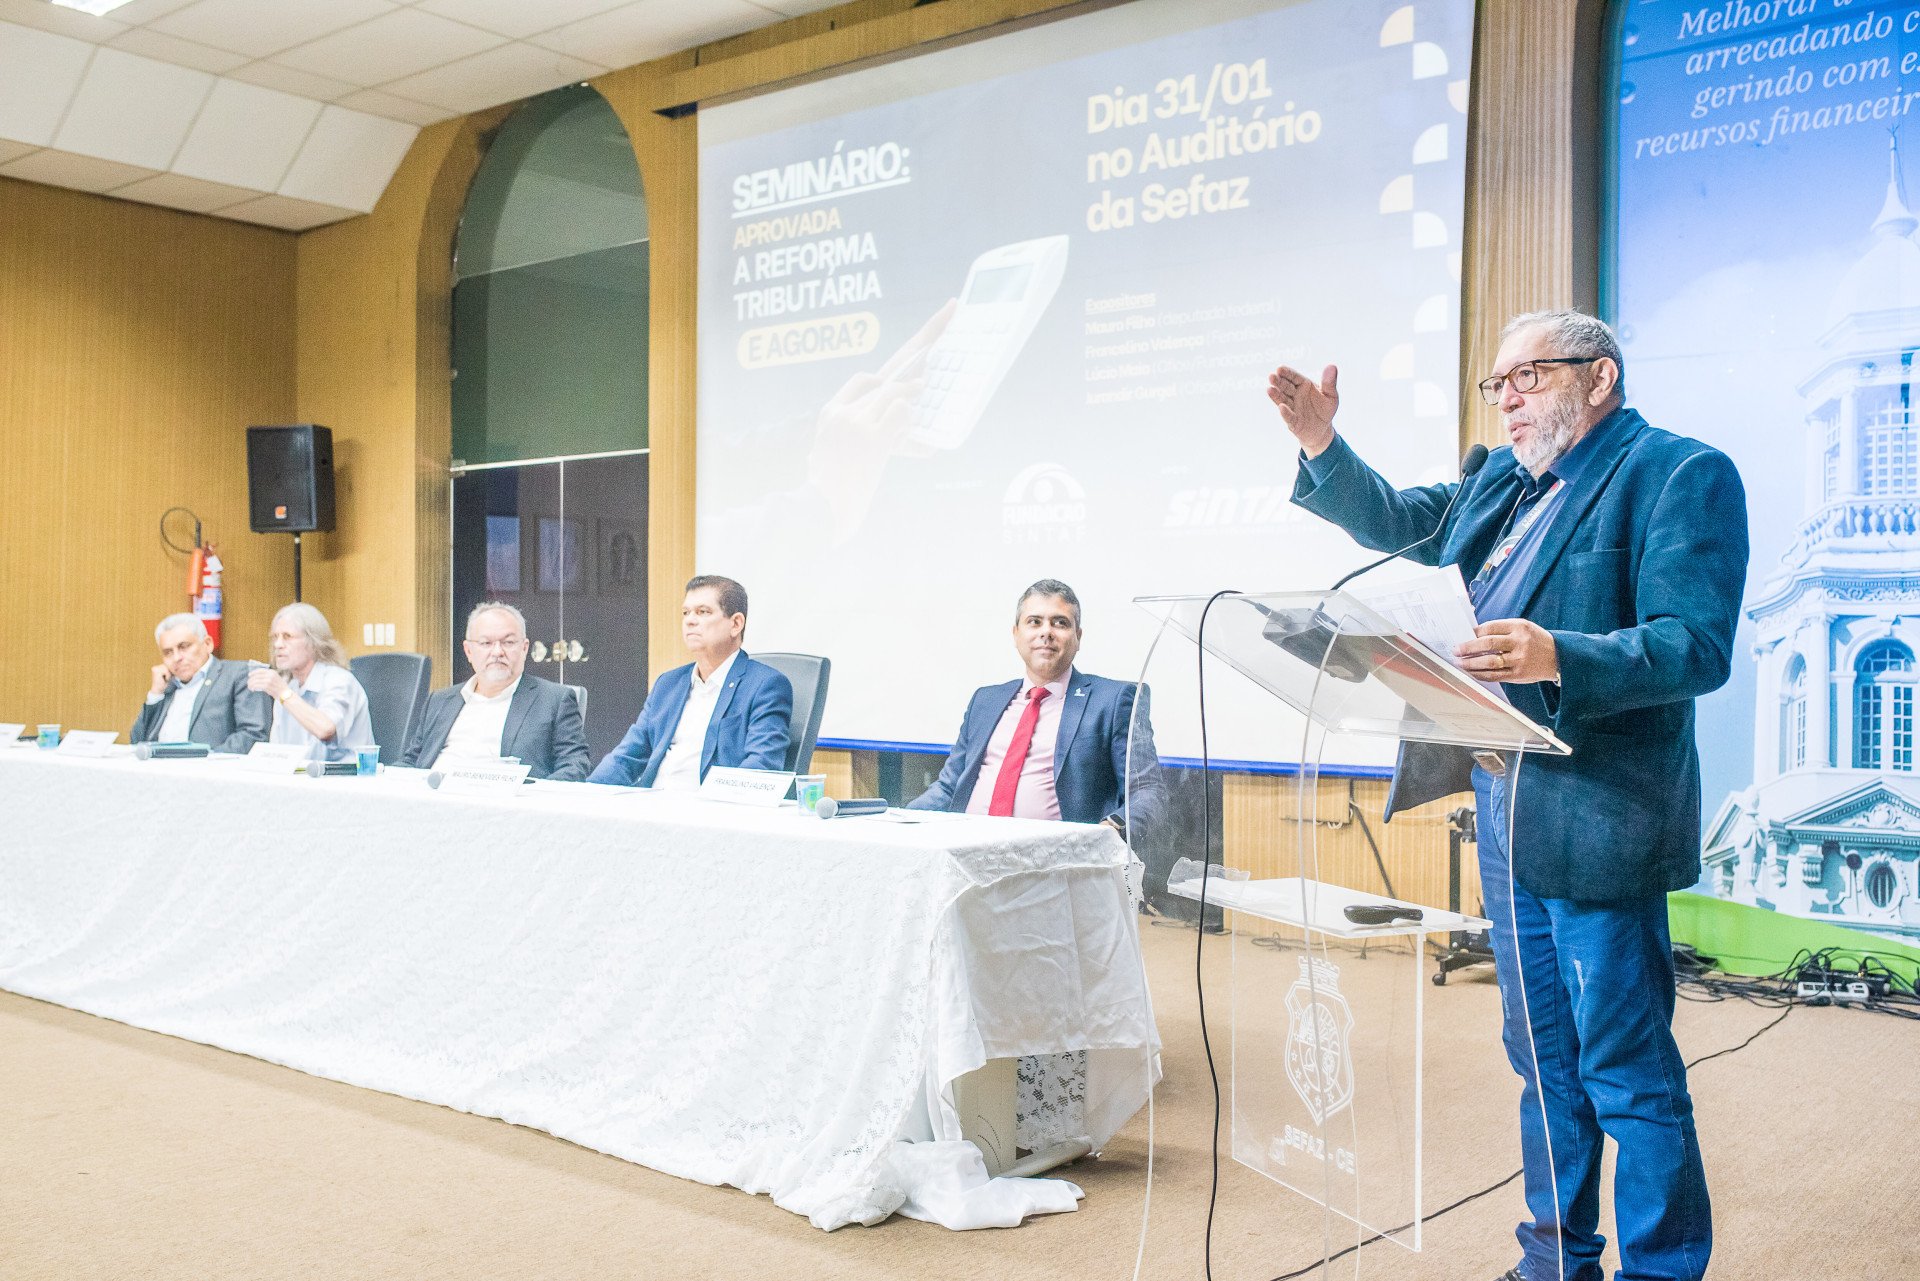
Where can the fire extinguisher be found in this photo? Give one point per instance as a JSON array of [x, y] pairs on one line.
[[203, 590]]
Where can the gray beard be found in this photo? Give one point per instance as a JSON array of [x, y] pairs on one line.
[[1555, 429]]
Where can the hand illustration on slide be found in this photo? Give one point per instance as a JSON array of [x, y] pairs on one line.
[[863, 425]]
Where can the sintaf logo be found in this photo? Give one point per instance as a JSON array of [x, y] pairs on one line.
[[1319, 1040], [1044, 504]]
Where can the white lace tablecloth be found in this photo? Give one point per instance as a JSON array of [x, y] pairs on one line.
[[732, 995]]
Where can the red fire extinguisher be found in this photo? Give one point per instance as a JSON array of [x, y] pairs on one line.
[[203, 590]]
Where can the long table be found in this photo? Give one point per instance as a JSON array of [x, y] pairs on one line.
[[733, 995]]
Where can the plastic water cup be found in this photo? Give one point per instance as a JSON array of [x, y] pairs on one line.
[[808, 789], [49, 737], [367, 760]]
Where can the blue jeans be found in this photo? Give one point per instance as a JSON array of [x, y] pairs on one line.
[[1599, 990]]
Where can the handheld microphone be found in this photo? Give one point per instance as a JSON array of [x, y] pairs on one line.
[[170, 751], [827, 807], [1476, 459]]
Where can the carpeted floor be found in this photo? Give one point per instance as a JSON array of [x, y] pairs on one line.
[[124, 1154]]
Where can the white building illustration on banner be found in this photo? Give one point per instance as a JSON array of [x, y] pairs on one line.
[[1830, 828]]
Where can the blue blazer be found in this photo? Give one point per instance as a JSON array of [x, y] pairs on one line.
[[1638, 578], [1089, 757], [750, 726]]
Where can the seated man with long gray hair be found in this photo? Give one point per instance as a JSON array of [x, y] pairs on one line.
[[197, 698], [500, 711]]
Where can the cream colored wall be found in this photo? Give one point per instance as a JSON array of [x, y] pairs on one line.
[[136, 346]]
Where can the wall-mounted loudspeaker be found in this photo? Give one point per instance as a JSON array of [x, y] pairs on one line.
[[289, 478]]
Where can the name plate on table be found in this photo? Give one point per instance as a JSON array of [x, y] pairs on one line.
[[277, 758], [485, 778], [10, 732], [763, 787], [87, 742]]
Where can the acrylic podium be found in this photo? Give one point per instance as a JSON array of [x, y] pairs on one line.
[[1325, 1083]]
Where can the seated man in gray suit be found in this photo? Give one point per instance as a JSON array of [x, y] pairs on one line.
[[501, 711], [197, 698]]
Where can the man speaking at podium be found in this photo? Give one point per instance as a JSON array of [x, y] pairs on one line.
[[1606, 559]]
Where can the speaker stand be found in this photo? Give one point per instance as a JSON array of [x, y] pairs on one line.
[[296, 565]]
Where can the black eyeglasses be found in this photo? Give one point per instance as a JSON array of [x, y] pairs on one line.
[[1525, 376]]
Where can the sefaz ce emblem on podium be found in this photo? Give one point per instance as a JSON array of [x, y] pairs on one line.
[[1319, 1040]]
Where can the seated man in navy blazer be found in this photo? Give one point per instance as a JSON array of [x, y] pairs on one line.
[[1606, 558], [197, 698], [1053, 744], [721, 709], [501, 711]]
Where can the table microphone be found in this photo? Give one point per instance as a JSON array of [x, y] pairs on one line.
[[827, 807], [1476, 459], [170, 751]]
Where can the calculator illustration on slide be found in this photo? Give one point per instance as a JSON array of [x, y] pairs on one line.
[[1007, 289]]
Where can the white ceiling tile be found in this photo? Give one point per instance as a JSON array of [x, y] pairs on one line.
[[133, 109], [643, 30], [184, 53], [517, 18], [376, 103], [399, 44], [64, 169], [190, 194], [246, 136], [498, 75], [288, 215], [348, 159], [259, 28], [138, 11], [14, 150], [794, 8], [272, 75], [67, 22], [43, 74]]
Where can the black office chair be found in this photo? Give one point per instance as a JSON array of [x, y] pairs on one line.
[[809, 673], [579, 693], [396, 686]]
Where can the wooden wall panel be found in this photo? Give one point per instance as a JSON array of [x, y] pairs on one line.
[[136, 345]]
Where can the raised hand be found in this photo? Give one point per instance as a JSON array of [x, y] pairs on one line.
[[1306, 407]]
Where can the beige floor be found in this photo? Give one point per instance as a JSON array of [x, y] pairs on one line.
[[125, 1154]]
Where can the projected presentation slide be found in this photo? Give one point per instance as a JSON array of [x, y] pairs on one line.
[[1006, 311]]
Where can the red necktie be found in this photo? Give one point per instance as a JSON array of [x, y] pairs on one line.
[[1007, 782]]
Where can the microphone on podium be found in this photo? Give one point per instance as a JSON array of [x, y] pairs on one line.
[[1476, 459], [1311, 636]]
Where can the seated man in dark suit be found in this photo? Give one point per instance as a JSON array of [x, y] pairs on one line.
[[721, 709], [197, 698], [500, 711], [1053, 744]]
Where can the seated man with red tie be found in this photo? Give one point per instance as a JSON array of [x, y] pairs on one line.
[[1053, 744]]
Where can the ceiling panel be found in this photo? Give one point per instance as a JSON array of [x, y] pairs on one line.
[[132, 109], [64, 169], [246, 136], [271, 75], [385, 104], [516, 18], [643, 30], [260, 29], [286, 214], [399, 44], [44, 72], [499, 75], [348, 159], [190, 194], [67, 22], [182, 53]]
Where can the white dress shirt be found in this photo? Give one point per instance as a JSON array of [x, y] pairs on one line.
[[334, 691], [1035, 797], [478, 731], [178, 722], [681, 768]]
